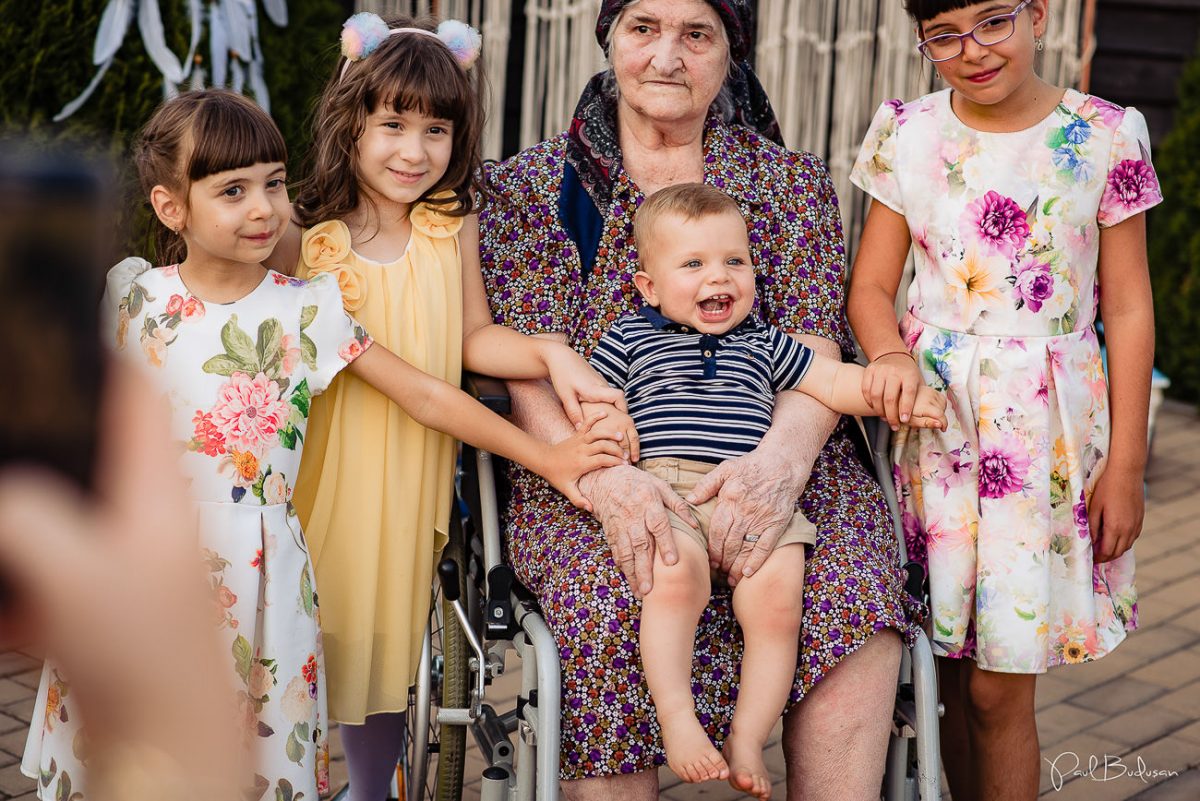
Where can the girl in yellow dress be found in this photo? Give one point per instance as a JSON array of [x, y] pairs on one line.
[[387, 208]]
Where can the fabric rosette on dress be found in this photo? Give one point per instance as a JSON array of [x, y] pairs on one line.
[[325, 248]]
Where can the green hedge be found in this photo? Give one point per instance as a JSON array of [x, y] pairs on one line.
[[1174, 244], [47, 62]]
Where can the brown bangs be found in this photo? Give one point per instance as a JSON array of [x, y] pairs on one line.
[[195, 135], [419, 74], [231, 132]]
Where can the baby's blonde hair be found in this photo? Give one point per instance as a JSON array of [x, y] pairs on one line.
[[689, 201]]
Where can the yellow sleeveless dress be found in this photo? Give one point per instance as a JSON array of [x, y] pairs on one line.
[[375, 486]]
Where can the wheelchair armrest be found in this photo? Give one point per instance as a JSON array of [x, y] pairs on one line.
[[491, 392]]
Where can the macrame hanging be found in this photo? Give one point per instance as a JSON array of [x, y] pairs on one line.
[[235, 52]]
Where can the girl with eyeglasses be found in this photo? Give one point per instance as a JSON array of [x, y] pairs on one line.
[[1022, 204]]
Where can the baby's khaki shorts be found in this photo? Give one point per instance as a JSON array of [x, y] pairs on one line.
[[683, 475]]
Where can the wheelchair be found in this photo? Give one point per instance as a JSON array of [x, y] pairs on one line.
[[480, 612]]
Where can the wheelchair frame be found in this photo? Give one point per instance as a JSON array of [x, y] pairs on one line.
[[507, 617]]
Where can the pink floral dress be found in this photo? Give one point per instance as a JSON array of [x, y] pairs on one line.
[[239, 378], [1006, 236]]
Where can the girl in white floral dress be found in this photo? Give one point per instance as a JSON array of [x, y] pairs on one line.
[[240, 351], [1021, 203]]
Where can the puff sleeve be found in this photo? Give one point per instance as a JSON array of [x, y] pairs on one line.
[[874, 171], [124, 301], [1132, 185], [330, 338]]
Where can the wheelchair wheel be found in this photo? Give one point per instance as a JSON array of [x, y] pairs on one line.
[[434, 754]]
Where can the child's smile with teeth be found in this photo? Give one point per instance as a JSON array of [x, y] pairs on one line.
[[698, 272]]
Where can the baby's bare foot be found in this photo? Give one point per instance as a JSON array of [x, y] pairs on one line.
[[689, 751], [747, 771]]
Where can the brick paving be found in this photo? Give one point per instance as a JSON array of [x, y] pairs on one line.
[[1139, 708]]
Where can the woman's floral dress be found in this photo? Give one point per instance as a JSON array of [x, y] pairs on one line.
[[1006, 232], [535, 284], [239, 378]]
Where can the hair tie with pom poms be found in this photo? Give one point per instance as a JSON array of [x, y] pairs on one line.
[[364, 32], [463, 40]]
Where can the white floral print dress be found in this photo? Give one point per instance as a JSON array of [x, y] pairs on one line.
[[1006, 235], [239, 378]]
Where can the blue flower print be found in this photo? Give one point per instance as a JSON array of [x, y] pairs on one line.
[[1064, 158], [1077, 131], [945, 342], [1085, 171], [936, 356]]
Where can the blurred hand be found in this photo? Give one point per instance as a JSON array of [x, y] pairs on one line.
[[114, 588]]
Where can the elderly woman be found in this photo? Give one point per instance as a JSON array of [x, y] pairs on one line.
[[677, 105]]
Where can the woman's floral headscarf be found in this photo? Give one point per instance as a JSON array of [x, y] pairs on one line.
[[592, 145]]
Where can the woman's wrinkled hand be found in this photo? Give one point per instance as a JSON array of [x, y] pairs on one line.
[[756, 495], [632, 506], [890, 385]]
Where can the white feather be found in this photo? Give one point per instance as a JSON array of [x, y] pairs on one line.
[[196, 13], [155, 40], [277, 12], [259, 85], [114, 23], [237, 75], [197, 81], [238, 25], [218, 44], [170, 90], [74, 105]]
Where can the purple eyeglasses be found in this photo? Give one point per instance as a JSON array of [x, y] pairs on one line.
[[991, 31]]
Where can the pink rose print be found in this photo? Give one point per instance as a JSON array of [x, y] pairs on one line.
[[249, 413], [1033, 285], [175, 304], [350, 351], [997, 222], [291, 353], [1002, 468], [1131, 184], [193, 309]]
